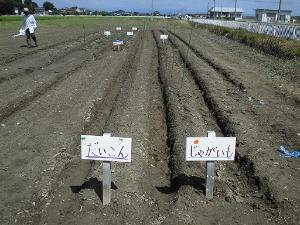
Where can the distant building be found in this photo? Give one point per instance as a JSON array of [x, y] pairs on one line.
[[81, 10], [220, 12], [74, 11], [270, 15], [40, 11], [187, 17]]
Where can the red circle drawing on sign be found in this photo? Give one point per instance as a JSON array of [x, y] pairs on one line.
[[196, 141]]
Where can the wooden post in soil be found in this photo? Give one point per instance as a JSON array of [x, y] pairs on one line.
[[106, 182], [210, 173]]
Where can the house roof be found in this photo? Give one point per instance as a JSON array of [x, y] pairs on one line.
[[224, 9]]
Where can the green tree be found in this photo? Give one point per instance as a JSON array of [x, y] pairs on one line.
[[7, 7], [48, 6], [30, 5], [156, 13], [18, 4], [35, 5], [102, 13]]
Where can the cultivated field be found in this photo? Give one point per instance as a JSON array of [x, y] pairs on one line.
[[158, 94]]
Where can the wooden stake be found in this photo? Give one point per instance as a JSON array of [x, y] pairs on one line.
[[106, 182], [210, 173], [83, 33]]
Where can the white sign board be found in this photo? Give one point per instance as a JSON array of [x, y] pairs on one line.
[[118, 42], [107, 33], [106, 148], [210, 148], [118, 28], [164, 37], [129, 33], [134, 28]]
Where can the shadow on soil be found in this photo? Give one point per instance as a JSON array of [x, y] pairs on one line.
[[182, 180], [92, 183]]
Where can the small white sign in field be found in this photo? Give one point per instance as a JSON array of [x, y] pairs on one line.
[[107, 33], [118, 43], [118, 28], [129, 33], [134, 28], [210, 148], [105, 148], [164, 37]]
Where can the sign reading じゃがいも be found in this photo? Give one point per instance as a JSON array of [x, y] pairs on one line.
[[210, 148], [106, 148]]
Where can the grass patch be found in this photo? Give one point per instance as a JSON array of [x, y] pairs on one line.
[[103, 22], [279, 47]]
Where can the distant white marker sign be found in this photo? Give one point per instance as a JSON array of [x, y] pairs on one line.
[[118, 42], [106, 148], [129, 33], [134, 28], [210, 148], [164, 37], [118, 28], [107, 33]]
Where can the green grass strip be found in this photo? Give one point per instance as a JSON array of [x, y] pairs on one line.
[[279, 47]]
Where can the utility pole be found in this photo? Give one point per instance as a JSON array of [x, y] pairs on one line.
[[235, 9], [221, 9], [279, 9], [207, 9], [214, 9], [152, 10]]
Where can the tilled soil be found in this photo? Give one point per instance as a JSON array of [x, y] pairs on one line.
[[158, 94]]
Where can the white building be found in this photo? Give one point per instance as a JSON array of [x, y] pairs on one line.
[[220, 12], [40, 11], [270, 15]]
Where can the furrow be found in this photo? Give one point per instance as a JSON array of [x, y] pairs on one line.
[[228, 128], [223, 71], [23, 101], [40, 49], [49, 62], [98, 118]]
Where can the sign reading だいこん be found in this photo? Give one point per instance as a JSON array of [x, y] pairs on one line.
[[106, 148]]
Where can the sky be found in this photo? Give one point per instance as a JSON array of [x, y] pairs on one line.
[[175, 6]]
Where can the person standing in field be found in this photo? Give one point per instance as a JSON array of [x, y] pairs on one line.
[[29, 25]]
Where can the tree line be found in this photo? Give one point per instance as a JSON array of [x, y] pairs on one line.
[[8, 7]]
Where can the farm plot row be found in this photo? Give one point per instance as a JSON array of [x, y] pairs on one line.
[[248, 104], [42, 113], [15, 48], [158, 94]]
